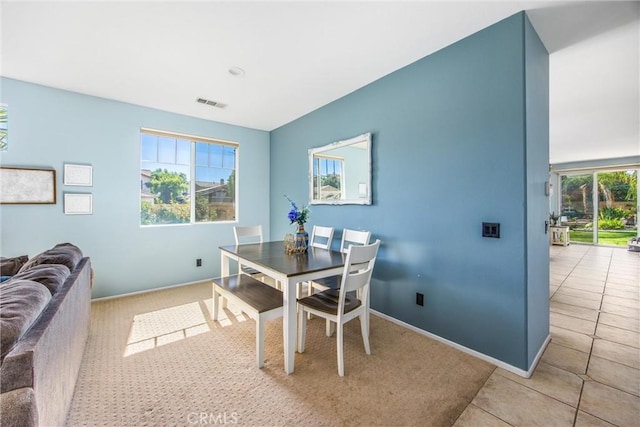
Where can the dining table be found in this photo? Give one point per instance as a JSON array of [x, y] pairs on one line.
[[289, 269]]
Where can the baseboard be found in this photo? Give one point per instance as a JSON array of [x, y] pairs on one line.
[[482, 356], [146, 291], [536, 360]]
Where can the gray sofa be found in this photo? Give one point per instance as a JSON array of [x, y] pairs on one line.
[[45, 310]]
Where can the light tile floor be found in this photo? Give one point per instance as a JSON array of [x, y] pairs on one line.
[[589, 375]]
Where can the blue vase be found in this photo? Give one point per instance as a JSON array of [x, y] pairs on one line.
[[302, 239]]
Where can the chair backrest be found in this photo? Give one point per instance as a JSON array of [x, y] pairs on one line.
[[324, 233], [251, 234], [354, 237], [360, 278]]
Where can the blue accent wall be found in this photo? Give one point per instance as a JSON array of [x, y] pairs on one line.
[[450, 151], [49, 127]]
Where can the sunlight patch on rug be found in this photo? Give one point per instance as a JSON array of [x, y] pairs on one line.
[[162, 327]]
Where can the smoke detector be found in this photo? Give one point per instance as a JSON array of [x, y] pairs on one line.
[[236, 71]]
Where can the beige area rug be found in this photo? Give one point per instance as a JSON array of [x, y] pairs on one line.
[[157, 359]]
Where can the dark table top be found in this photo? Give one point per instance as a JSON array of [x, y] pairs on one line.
[[273, 256]]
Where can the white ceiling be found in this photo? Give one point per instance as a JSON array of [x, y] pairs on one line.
[[299, 56]]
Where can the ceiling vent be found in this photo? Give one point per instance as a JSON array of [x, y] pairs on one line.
[[211, 103]]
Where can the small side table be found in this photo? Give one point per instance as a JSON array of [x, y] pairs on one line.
[[559, 235]]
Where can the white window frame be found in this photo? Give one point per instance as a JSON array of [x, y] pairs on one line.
[[193, 139]]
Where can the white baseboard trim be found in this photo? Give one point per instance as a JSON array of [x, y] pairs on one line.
[[536, 360], [146, 291], [482, 356]]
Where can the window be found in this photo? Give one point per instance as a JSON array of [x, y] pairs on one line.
[[186, 179], [327, 177]]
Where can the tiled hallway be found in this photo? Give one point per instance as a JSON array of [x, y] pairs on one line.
[[589, 374]]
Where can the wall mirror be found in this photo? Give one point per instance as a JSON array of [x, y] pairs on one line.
[[340, 172]]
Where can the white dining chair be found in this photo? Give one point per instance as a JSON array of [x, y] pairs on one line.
[[251, 234], [321, 237], [349, 238], [341, 306], [247, 235]]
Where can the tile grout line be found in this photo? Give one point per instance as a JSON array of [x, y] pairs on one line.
[[586, 373], [575, 416]]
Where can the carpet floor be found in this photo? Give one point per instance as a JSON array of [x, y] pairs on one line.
[[157, 359]]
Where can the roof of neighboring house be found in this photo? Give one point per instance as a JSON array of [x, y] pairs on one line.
[[204, 187]]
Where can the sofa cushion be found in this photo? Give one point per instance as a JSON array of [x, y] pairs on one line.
[[18, 408], [63, 253], [22, 301], [10, 266], [50, 275]]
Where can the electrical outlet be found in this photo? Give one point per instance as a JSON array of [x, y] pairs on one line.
[[199, 262], [419, 299]]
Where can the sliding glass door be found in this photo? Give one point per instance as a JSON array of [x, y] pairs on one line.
[[617, 207], [600, 207], [576, 207]]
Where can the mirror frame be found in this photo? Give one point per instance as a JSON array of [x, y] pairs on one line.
[[366, 137]]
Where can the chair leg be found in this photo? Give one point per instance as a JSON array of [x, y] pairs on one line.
[[340, 350], [309, 293], [302, 329], [216, 309], [330, 327], [260, 342], [364, 327]]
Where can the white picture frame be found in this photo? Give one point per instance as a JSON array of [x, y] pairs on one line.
[[78, 203], [78, 175]]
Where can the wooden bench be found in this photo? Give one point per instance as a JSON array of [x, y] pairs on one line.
[[258, 300]]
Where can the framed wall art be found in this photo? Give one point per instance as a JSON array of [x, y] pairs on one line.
[[80, 175], [78, 203], [27, 186]]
